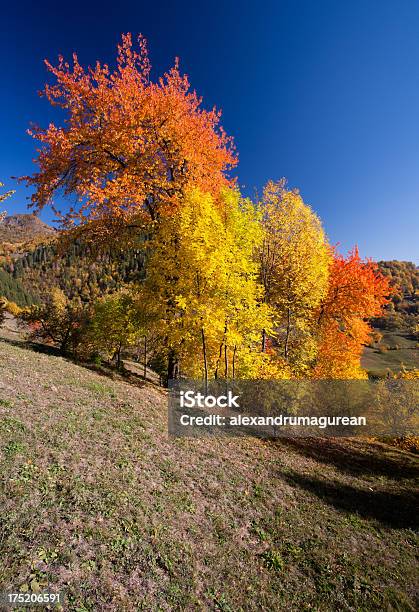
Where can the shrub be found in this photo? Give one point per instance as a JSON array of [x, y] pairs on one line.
[[13, 308], [59, 322]]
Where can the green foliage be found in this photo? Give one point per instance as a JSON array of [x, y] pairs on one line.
[[80, 272], [114, 325], [58, 321], [273, 560], [12, 289], [101, 329]]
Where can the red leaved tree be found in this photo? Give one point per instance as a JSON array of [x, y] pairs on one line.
[[129, 146], [357, 291]]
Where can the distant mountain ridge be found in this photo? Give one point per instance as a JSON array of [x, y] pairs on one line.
[[15, 229]]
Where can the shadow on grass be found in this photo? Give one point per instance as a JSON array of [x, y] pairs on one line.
[[33, 346], [398, 510], [357, 457], [107, 371]]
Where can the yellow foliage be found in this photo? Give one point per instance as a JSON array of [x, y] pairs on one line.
[[408, 443], [409, 374], [294, 264], [13, 308], [201, 290]]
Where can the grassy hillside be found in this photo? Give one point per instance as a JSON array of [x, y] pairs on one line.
[[396, 350], [398, 346], [97, 501]]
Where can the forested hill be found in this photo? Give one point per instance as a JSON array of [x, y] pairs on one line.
[[79, 273], [402, 312]]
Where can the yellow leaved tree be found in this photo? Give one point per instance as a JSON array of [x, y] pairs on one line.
[[294, 263], [201, 291]]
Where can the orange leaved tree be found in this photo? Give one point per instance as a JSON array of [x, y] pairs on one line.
[[357, 291], [129, 146]]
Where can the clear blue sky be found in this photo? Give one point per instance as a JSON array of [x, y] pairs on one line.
[[323, 92]]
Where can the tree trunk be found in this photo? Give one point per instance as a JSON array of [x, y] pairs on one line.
[[221, 351], [65, 342], [263, 340], [145, 358], [218, 361], [288, 333], [233, 366], [225, 362], [172, 366], [118, 357], [204, 351]]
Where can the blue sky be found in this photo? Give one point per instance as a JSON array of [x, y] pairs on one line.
[[325, 93]]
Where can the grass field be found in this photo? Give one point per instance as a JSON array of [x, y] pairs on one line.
[[378, 363], [98, 502]]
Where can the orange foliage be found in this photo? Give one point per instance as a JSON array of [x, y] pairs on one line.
[[129, 146], [357, 291]]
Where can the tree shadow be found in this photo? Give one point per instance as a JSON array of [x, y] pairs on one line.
[[357, 457], [35, 347], [398, 510], [108, 371]]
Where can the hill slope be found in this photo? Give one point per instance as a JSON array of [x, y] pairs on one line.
[[98, 502], [396, 333], [16, 229]]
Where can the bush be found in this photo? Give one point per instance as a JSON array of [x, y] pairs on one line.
[[13, 308], [59, 322], [376, 338], [114, 326], [408, 443]]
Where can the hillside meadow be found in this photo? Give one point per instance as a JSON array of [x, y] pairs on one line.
[[98, 502]]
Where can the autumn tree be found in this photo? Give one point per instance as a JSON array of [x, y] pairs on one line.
[[294, 269], [114, 325], [129, 146], [59, 321], [357, 291], [201, 288]]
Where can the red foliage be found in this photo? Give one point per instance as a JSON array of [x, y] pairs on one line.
[[357, 291], [129, 146]]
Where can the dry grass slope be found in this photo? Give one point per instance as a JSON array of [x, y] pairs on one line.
[[98, 502]]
